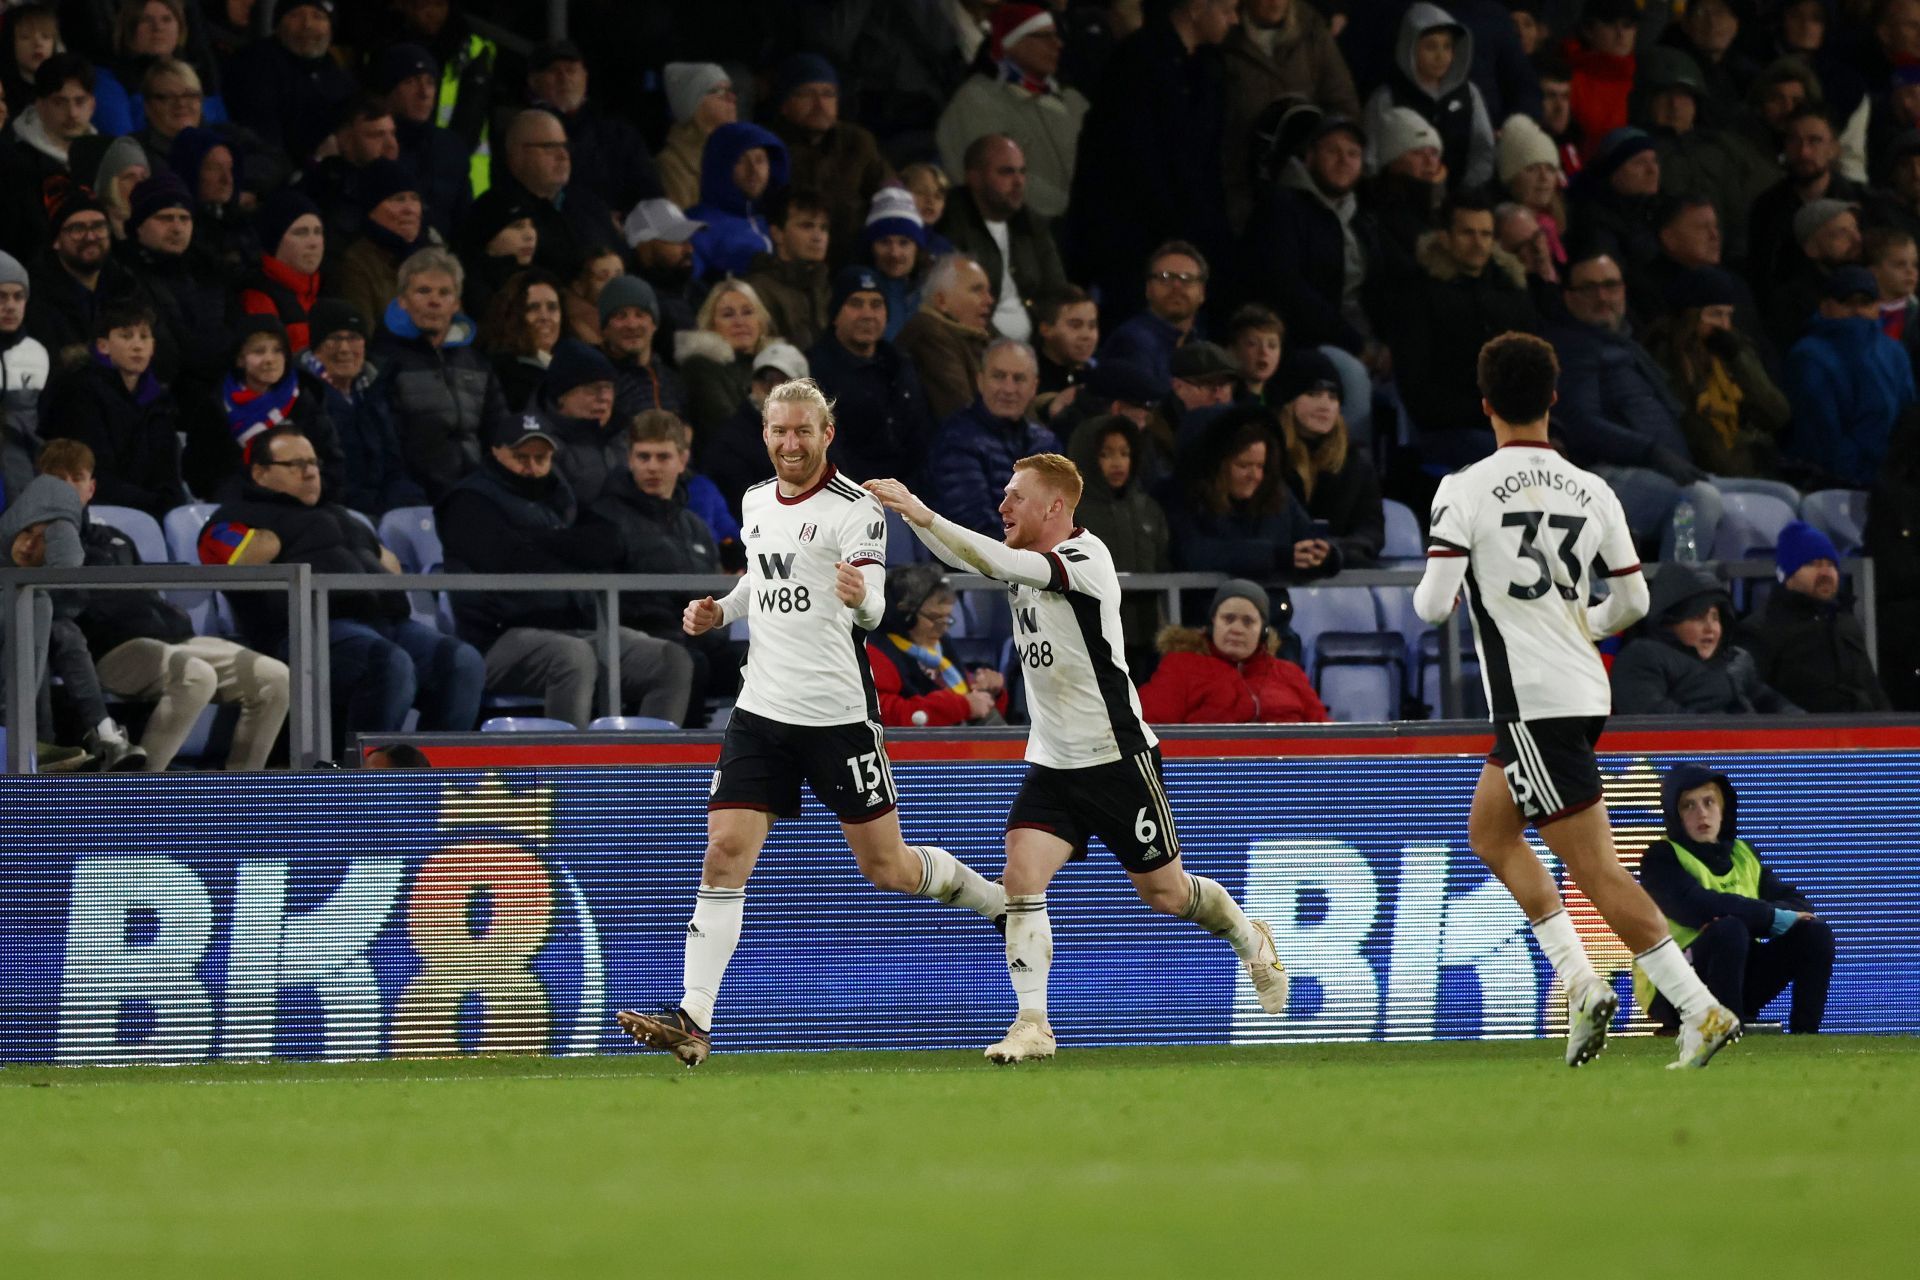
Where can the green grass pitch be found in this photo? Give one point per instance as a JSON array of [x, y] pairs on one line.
[[1787, 1158]]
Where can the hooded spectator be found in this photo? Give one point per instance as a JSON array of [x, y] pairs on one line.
[[1433, 62], [1023, 101], [700, 97], [1230, 673], [122, 166], [24, 369], [741, 164], [210, 164], [1698, 155], [1682, 663], [835, 157], [288, 88], [1850, 384], [1732, 414]]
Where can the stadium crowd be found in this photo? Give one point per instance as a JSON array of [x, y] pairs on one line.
[[1235, 257]]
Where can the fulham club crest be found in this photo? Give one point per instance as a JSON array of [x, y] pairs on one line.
[[807, 532]]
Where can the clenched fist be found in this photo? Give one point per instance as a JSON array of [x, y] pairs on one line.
[[701, 616], [848, 584]]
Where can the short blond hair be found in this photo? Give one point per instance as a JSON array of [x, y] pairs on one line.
[[1057, 470], [804, 391], [730, 284]]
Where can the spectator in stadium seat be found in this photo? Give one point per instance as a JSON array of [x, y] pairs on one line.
[[896, 244], [1281, 48], [1311, 249], [881, 423], [663, 256], [1689, 232], [1683, 662], [29, 35], [1117, 387], [520, 329], [971, 457], [988, 219], [36, 174], [575, 406], [189, 297], [1406, 195], [1235, 513], [1731, 413], [1256, 337], [366, 132], [1616, 203], [144, 649], [115, 170], [1890, 254], [572, 219], [285, 283], [119, 409], [516, 514], [741, 164], [376, 471], [288, 88], [835, 157], [144, 32], [579, 301], [629, 321], [1828, 233], [262, 387], [1021, 100], [1517, 231], [1205, 380], [610, 158], [1231, 673], [1148, 169], [73, 278], [1601, 60], [717, 358], [1699, 156], [1810, 150], [383, 662], [1324, 468], [700, 97], [1849, 382], [1468, 291], [793, 280], [496, 242], [1708, 34], [209, 164], [947, 337], [173, 98], [1176, 290], [1432, 66], [1807, 643], [1067, 322], [24, 369], [1529, 169], [648, 502], [735, 455], [408, 78], [917, 681], [440, 390], [393, 228], [1116, 508], [928, 185], [1747, 933], [1557, 120]]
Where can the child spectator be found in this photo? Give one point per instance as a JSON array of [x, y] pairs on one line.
[[928, 185], [1256, 336], [1230, 673], [1889, 253], [1682, 664], [1324, 468], [263, 388], [1807, 642], [1433, 62], [115, 406], [1067, 322], [1116, 508], [917, 681]]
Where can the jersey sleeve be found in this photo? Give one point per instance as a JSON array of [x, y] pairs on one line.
[[1616, 540], [863, 535], [1082, 564], [1450, 527]]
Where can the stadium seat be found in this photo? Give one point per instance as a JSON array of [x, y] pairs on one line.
[[1473, 699], [524, 724], [988, 614], [1317, 610], [1395, 605], [1360, 673], [182, 526], [902, 546], [1403, 533], [1841, 514], [141, 529], [1750, 525], [629, 724], [364, 519], [410, 534]]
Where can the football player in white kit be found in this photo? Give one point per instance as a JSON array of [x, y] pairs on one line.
[[1093, 765], [1519, 529], [815, 585]]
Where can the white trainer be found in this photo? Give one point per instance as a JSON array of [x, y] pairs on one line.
[[1699, 1041], [1029, 1038], [1590, 1013], [1268, 974]]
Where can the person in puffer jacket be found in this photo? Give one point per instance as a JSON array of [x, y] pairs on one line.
[[1682, 663], [1230, 673]]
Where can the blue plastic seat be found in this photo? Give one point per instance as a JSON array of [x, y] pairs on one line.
[[902, 546], [410, 533], [525, 724], [1360, 674], [182, 526], [1317, 610], [141, 529], [1403, 533], [1750, 526], [1841, 514], [630, 724]]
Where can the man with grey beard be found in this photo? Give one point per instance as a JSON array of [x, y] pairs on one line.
[[288, 89]]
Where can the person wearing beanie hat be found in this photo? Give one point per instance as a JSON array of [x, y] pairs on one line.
[[1807, 643], [575, 404], [407, 78], [1411, 185], [1432, 76], [1328, 472], [1616, 201], [72, 275], [189, 301], [394, 228], [1230, 672], [1685, 662], [1699, 156], [881, 420], [1732, 413], [24, 368], [630, 314], [122, 167], [1849, 383], [336, 363], [1530, 171], [627, 291], [155, 195], [894, 241], [1021, 100], [700, 97], [1402, 130], [835, 157], [285, 280]]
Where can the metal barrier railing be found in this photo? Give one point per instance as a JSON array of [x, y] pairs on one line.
[[309, 612]]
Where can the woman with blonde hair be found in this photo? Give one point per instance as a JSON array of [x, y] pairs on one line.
[[1329, 474], [519, 331], [716, 358]]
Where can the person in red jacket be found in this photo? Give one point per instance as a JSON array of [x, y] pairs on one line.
[[917, 682], [1603, 66], [1228, 674]]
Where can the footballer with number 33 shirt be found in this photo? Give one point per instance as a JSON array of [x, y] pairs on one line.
[[1093, 765], [1519, 530], [815, 585]]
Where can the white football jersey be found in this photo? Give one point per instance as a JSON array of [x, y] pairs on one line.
[[806, 655], [1533, 527]]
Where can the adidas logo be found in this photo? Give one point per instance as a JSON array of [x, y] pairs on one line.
[[693, 930], [754, 532], [1153, 853], [1017, 965]]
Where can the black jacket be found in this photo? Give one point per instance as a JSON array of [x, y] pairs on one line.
[[212, 462], [610, 158], [1349, 501], [882, 424], [1296, 255], [1443, 318], [1656, 675], [108, 619], [190, 302], [494, 521], [578, 225], [291, 102], [136, 453], [639, 387], [326, 536], [1813, 652], [439, 162], [1036, 262], [1252, 539], [1685, 900], [60, 310], [657, 535], [445, 402], [589, 454]]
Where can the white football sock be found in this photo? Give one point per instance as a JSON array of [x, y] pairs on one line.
[[1667, 965], [712, 935], [1029, 950], [947, 879], [1213, 909], [1556, 936]]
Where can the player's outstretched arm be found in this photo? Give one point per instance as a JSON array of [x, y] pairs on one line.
[[958, 545], [1439, 587]]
